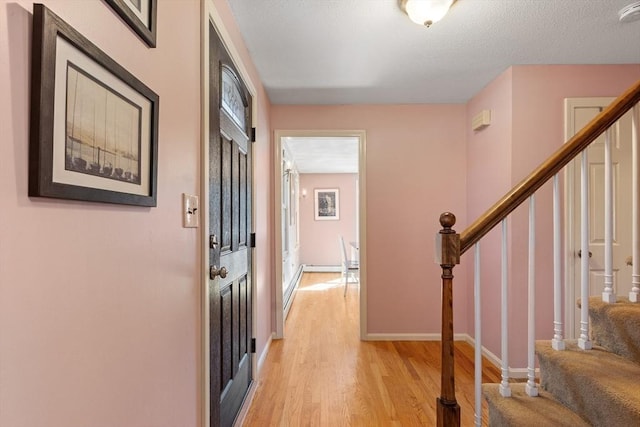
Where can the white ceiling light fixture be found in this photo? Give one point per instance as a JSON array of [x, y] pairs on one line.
[[426, 12], [630, 12]]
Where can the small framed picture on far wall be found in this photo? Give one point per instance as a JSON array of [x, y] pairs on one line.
[[327, 204]]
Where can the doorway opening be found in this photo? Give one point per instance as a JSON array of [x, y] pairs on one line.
[[319, 197]]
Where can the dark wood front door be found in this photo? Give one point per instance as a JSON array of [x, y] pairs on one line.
[[229, 230]]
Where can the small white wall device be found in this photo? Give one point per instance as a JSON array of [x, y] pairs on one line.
[[481, 120], [190, 210]]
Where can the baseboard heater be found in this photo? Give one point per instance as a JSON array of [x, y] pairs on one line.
[[289, 292], [323, 268]]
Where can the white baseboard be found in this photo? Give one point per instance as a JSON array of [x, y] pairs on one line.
[[246, 404], [516, 373], [495, 360], [522, 373], [322, 268], [401, 337], [263, 356], [411, 337]]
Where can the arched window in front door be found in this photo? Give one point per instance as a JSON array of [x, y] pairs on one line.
[[233, 102]]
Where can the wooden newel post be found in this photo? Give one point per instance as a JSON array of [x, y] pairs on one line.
[[447, 255]]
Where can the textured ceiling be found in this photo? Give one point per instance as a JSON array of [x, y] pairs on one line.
[[323, 154], [368, 51]]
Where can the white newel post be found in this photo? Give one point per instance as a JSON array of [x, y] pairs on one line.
[[478, 337], [607, 294], [505, 388], [557, 343], [634, 295], [531, 387], [583, 341]]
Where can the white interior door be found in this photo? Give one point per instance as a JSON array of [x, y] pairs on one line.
[[579, 111]]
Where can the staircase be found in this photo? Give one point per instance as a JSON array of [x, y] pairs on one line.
[[593, 381], [598, 387]]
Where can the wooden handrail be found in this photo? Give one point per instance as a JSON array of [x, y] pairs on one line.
[[549, 167], [452, 245]]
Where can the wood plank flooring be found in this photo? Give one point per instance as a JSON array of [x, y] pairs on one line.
[[321, 374]]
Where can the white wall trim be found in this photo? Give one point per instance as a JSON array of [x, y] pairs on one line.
[[244, 409], [254, 385], [322, 268], [402, 337], [412, 337], [204, 209], [491, 357], [516, 373], [277, 218], [522, 373], [292, 297], [265, 352], [277, 233]]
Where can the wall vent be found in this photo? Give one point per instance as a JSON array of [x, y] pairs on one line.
[[481, 120]]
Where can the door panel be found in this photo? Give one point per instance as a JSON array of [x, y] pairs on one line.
[[230, 221], [226, 336]]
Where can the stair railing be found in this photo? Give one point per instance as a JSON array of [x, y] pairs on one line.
[[451, 245]]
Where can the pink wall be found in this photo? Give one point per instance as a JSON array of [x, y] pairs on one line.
[[415, 170], [319, 239], [488, 178], [100, 305], [535, 95]]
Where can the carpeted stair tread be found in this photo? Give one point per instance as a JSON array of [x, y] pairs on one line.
[[522, 410], [602, 387], [616, 326]]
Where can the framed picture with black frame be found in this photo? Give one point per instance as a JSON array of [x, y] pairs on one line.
[[93, 125], [140, 15], [327, 204]]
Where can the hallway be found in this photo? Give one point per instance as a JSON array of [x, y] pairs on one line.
[[323, 375]]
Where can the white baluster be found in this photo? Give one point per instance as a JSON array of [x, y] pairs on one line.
[[583, 341], [634, 295], [531, 387], [558, 338], [505, 388], [478, 337], [607, 294]]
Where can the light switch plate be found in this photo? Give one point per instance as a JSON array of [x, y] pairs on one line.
[[190, 211]]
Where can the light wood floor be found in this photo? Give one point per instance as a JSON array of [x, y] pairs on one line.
[[321, 374]]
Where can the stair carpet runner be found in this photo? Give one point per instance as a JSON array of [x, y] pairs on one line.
[[598, 387]]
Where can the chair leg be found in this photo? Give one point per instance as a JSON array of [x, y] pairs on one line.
[[346, 282]]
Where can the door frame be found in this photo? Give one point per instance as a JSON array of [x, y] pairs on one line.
[[210, 15], [570, 216], [277, 214]]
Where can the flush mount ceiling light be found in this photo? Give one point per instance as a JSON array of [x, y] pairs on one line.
[[630, 12], [425, 12]]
